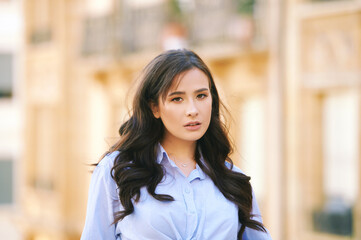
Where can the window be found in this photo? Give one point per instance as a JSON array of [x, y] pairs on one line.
[[97, 37], [41, 21], [340, 137], [340, 163], [6, 181], [6, 74], [252, 144]]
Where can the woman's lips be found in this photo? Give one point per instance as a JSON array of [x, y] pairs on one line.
[[193, 126]]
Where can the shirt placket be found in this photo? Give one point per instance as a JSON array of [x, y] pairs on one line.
[[191, 211]]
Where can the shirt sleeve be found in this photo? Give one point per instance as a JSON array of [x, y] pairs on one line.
[[103, 202], [252, 234], [249, 233]]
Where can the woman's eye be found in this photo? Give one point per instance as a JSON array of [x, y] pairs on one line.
[[177, 99], [201, 96]]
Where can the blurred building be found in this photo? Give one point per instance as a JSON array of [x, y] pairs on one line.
[[289, 72], [11, 119]]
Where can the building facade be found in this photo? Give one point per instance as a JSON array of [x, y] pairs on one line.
[[289, 74], [11, 118]]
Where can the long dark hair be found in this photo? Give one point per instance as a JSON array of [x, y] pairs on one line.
[[135, 166]]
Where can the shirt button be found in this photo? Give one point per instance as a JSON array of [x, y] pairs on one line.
[[187, 190]]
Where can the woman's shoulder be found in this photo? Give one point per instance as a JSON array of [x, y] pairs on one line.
[[233, 167], [102, 178], [108, 160]]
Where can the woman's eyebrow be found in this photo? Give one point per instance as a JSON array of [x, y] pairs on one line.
[[181, 92], [201, 90], [176, 93]]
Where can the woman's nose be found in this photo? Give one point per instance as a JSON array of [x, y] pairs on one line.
[[192, 109]]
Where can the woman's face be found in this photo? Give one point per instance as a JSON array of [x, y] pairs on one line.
[[187, 108]]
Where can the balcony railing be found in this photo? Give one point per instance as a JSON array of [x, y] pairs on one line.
[[131, 28]]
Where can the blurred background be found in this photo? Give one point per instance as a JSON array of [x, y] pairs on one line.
[[289, 72]]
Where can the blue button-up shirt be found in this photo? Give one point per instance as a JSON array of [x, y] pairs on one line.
[[200, 211]]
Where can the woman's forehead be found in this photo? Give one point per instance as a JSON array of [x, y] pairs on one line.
[[192, 78]]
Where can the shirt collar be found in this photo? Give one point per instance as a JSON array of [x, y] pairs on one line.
[[163, 156]]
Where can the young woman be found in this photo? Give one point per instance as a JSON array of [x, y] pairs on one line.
[[170, 176]]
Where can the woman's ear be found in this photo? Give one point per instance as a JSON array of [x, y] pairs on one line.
[[155, 109]]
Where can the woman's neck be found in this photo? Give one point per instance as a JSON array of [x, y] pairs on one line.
[[180, 149], [182, 154]]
